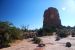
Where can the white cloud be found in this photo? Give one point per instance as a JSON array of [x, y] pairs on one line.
[[70, 4], [63, 8]]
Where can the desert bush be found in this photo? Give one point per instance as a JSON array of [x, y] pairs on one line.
[[36, 40], [73, 34], [57, 38], [4, 36], [15, 33], [46, 31], [4, 42], [40, 32], [62, 33], [68, 44], [8, 33], [24, 28], [41, 44], [49, 31]]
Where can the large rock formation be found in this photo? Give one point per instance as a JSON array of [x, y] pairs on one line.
[[51, 18]]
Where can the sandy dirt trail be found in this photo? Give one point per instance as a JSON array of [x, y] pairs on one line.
[[49, 41], [23, 45]]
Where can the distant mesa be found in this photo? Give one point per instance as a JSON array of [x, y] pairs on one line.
[[51, 18]]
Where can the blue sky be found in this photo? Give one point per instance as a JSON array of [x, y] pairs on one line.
[[30, 12]]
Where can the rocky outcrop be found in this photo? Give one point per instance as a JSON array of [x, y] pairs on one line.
[[51, 18]]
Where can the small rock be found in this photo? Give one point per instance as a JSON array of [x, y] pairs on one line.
[[68, 44]]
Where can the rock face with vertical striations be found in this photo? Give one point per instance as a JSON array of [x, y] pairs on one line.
[[51, 18]]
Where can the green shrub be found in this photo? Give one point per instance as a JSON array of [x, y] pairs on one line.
[[8, 33], [15, 33], [73, 34], [40, 32], [4, 41], [57, 38], [62, 33], [36, 40]]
